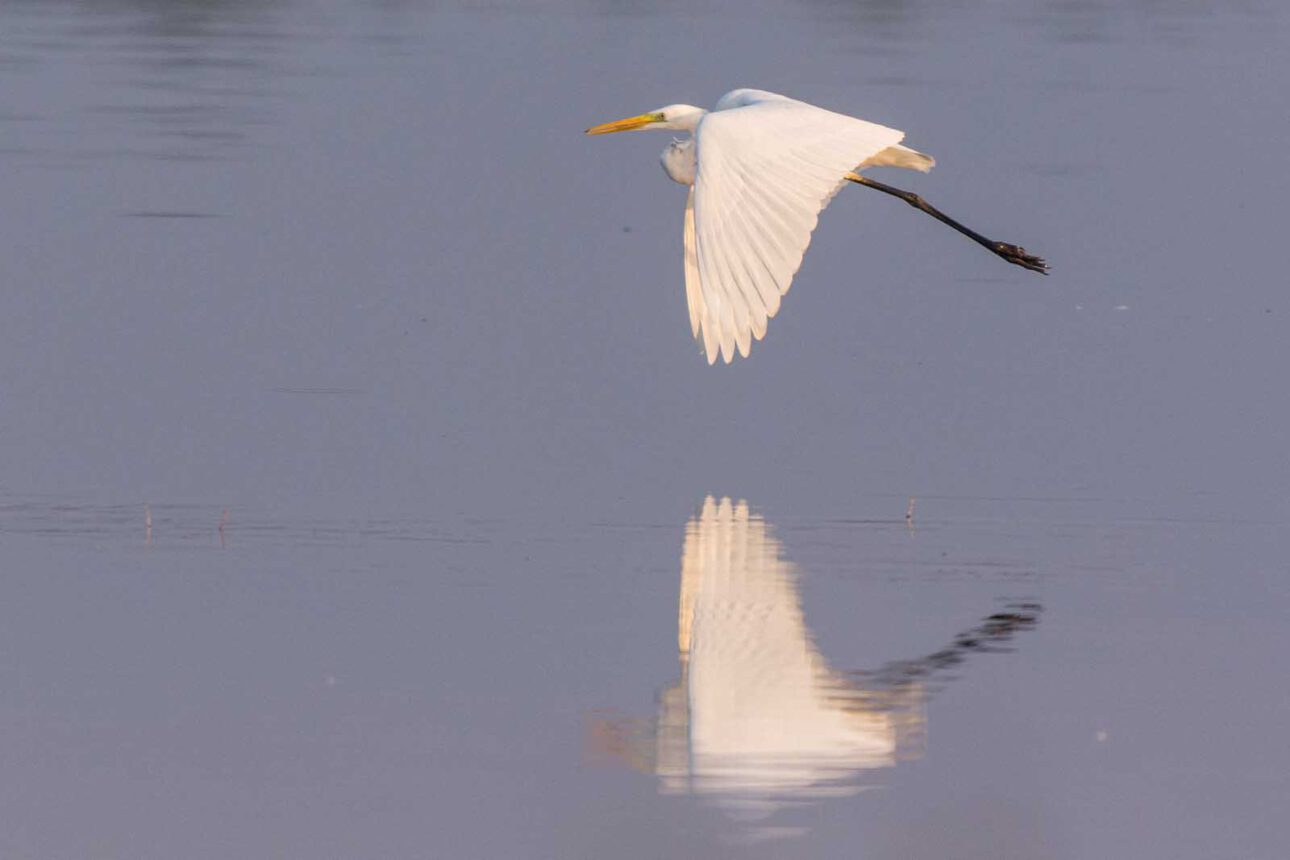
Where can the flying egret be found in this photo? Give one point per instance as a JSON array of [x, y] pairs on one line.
[[760, 167]]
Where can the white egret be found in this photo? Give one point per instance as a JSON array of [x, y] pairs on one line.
[[760, 167]]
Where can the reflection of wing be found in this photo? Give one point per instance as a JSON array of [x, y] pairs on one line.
[[767, 166], [758, 720], [762, 717]]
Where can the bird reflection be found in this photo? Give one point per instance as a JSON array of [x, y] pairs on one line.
[[758, 719]]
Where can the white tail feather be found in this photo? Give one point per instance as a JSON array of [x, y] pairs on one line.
[[901, 156]]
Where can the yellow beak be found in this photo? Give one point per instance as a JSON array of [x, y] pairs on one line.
[[630, 124]]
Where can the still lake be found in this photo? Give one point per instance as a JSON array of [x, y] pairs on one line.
[[364, 495]]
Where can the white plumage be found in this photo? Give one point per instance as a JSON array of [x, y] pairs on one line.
[[761, 167]]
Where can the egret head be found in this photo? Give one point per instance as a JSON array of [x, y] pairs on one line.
[[675, 117]]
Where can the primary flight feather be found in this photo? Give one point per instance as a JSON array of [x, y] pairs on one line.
[[760, 167]]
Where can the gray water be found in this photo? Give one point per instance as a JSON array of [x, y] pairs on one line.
[[363, 494]]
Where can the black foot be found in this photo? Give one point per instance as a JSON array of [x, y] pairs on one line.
[[1017, 255]]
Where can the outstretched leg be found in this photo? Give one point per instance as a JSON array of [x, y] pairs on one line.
[[1012, 253]]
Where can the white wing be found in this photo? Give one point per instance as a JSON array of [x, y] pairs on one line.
[[767, 166], [693, 292]]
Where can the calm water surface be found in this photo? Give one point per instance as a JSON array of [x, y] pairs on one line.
[[362, 493]]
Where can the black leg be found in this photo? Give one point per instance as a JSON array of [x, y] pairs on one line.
[[1012, 253]]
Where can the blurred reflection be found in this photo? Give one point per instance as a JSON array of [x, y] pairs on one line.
[[758, 719], [184, 81], [758, 714], [883, 22], [197, 80]]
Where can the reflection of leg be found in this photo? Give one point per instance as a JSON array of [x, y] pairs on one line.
[[986, 637], [1012, 253], [893, 699]]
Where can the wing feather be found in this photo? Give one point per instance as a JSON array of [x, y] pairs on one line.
[[693, 295], [766, 168]]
